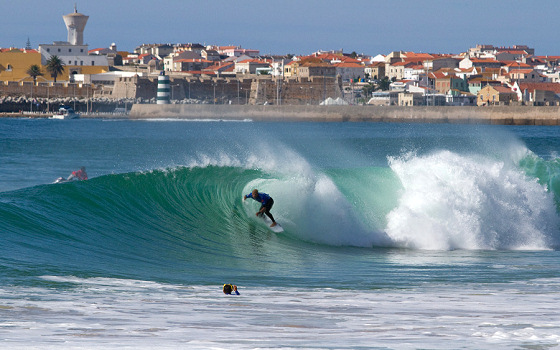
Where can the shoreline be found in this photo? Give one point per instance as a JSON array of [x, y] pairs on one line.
[[495, 115]]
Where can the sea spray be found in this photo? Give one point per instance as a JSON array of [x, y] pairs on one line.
[[453, 201]]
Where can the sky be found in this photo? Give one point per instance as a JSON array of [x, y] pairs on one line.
[[292, 26]]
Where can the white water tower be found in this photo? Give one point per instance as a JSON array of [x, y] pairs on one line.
[[75, 23]]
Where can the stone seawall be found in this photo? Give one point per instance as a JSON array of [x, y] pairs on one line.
[[503, 115]]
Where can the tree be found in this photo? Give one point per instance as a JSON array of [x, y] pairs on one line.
[[384, 84], [34, 71], [55, 66], [368, 90]]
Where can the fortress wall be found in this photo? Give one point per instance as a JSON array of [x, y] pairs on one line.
[[46, 90], [503, 115]]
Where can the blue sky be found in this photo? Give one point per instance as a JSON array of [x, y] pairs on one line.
[[293, 26]]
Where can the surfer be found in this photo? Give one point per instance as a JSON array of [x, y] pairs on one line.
[[266, 204], [78, 174], [230, 289]]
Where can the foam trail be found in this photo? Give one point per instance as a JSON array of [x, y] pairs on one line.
[[452, 201]]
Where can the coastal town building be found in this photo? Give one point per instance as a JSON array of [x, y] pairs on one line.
[[413, 71], [491, 50], [537, 94], [525, 75], [375, 70], [14, 64], [446, 81], [250, 66], [313, 69], [408, 99], [483, 63], [395, 70], [218, 69], [350, 71], [237, 51], [495, 95], [187, 65], [158, 50], [477, 83], [74, 53]]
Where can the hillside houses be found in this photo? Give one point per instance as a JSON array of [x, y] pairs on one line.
[[483, 75]]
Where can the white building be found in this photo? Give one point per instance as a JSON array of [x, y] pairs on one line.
[[71, 55], [413, 72], [108, 78], [72, 52], [237, 51]]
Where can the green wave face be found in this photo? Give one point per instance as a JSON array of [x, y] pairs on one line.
[[191, 222]]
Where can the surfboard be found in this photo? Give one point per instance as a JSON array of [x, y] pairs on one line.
[[278, 228]]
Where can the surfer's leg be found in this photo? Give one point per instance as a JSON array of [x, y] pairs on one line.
[[270, 216], [267, 211]]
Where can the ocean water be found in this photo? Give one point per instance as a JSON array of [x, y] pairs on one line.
[[396, 236]]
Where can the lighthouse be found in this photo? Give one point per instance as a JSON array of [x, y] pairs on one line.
[[163, 89], [75, 23]]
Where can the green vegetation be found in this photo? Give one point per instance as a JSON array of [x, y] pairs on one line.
[[34, 71], [55, 66]]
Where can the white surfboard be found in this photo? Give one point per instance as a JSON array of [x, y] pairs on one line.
[[278, 228]]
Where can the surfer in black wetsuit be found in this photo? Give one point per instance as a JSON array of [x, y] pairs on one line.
[[230, 289], [266, 204]]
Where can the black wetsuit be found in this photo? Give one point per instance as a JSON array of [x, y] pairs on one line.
[[266, 203]]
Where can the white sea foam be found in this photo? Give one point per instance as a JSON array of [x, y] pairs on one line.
[[452, 201], [115, 313]]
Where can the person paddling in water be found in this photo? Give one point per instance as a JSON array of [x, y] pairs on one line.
[[78, 175], [266, 204]]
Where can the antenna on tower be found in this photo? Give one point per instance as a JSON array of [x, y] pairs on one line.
[[75, 8]]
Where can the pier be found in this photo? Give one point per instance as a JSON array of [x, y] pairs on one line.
[[499, 115]]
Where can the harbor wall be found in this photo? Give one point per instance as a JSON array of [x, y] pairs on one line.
[[503, 115]]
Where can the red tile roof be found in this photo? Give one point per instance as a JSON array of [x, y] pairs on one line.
[[555, 87]]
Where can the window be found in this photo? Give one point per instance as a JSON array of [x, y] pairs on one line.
[[81, 50], [58, 50], [48, 50], [9, 68], [81, 63], [69, 50], [93, 63]]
